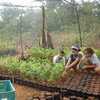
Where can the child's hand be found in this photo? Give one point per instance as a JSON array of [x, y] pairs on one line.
[[66, 68], [86, 63], [64, 73], [77, 68], [85, 67]]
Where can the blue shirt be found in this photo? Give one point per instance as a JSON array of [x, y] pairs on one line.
[[79, 55]]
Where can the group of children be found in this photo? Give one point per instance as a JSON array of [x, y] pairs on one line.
[[79, 61]]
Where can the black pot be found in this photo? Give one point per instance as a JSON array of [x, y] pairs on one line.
[[53, 89], [49, 98], [42, 98], [36, 97], [0, 77], [73, 92], [16, 80], [58, 90], [28, 84], [44, 88], [39, 87], [64, 93], [73, 98], [56, 96], [35, 85], [24, 83], [84, 94], [49, 89], [3, 77], [10, 79], [21, 82], [64, 88], [92, 98], [48, 94], [69, 92], [29, 98], [79, 93], [97, 96], [6, 78], [32, 85]]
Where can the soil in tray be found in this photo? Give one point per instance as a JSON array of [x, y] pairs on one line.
[[23, 91]]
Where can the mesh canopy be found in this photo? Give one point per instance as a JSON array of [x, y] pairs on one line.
[[66, 24]]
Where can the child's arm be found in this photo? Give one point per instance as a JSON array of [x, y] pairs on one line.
[[69, 62], [82, 61], [72, 64], [89, 66]]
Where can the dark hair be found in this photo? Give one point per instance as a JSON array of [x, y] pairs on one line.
[[89, 50], [62, 52], [75, 48]]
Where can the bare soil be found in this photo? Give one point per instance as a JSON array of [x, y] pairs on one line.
[[21, 92]]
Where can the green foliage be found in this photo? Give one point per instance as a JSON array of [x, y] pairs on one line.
[[37, 67], [55, 72], [43, 53], [11, 65], [23, 69], [97, 52]]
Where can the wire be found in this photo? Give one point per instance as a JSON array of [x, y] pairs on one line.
[[11, 5], [69, 2], [65, 1]]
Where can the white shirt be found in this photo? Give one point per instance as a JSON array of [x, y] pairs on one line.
[[94, 60], [56, 59]]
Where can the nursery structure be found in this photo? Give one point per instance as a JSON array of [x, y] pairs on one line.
[[37, 33]]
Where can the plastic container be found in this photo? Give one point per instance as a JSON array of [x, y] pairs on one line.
[[7, 92]]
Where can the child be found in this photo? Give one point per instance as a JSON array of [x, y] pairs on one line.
[[92, 62], [59, 58], [74, 58]]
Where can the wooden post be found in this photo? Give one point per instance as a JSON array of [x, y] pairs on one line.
[[43, 28], [78, 20], [21, 41]]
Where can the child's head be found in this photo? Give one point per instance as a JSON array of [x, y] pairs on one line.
[[75, 50], [88, 52], [61, 54]]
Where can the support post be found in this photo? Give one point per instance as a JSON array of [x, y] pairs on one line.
[[78, 20], [43, 28]]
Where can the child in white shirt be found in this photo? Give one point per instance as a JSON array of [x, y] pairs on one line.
[[92, 61], [59, 58]]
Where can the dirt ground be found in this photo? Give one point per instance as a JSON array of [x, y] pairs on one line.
[[21, 92]]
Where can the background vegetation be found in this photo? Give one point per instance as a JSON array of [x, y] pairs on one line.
[[60, 18]]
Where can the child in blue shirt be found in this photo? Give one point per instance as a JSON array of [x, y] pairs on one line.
[[74, 58]]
